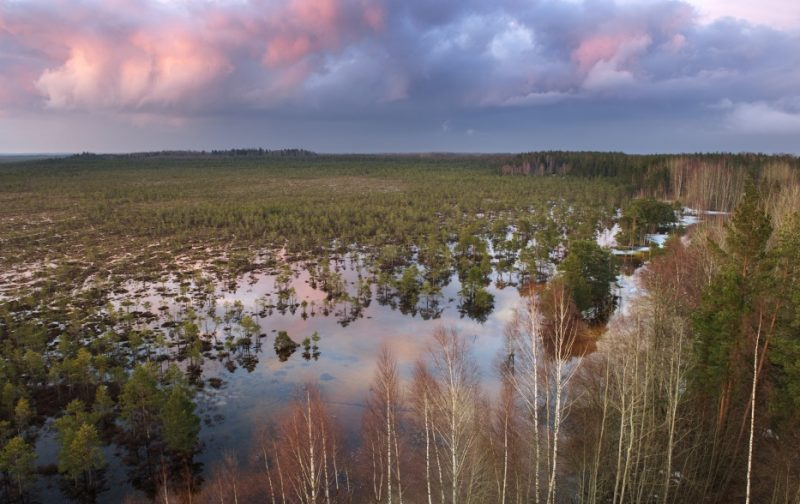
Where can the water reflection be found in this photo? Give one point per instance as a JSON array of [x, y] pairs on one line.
[[250, 344]]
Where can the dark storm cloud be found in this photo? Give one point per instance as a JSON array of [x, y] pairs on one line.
[[453, 63]]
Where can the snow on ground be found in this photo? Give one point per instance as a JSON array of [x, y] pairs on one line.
[[607, 238], [629, 288]]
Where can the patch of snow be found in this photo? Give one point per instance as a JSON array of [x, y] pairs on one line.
[[658, 239], [630, 252], [607, 238], [628, 288]]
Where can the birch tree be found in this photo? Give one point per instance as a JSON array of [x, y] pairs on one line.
[[451, 397], [380, 437], [308, 451]]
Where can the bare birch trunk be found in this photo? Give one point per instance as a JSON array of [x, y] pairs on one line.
[[752, 414]]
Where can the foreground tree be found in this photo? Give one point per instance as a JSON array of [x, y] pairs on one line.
[[380, 437], [734, 322], [307, 457], [562, 325], [448, 388]]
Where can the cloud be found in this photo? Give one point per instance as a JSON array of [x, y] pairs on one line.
[[395, 61], [161, 68], [783, 14], [607, 60], [535, 98], [763, 119], [144, 54]]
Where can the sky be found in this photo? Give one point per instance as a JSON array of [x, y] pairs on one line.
[[637, 76]]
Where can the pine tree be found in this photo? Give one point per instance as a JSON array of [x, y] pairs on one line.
[[22, 415], [723, 319], [103, 405], [734, 328], [141, 401], [180, 423], [748, 232], [17, 460], [785, 354], [80, 454], [588, 273]]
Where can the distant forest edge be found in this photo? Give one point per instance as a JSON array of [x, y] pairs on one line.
[[706, 181], [200, 153], [710, 181]]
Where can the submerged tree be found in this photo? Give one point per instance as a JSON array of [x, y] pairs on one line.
[[180, 423], [285, 346], [642, 217], [80, 455], [141, 400], [476, 301], [17, 461]]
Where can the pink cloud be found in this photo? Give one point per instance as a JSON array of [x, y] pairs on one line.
[[287, 49], [374, 15], [306, 27], [176, 58], [597, 48], [606, 60], [621, 39], [135, 54], [158, 66]]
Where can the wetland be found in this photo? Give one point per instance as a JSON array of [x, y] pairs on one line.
[[165, 317]]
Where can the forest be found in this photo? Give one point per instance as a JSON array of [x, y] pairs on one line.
[[580, 327]]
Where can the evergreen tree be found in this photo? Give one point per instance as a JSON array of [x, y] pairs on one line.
[[141, 401], [74, 416], [180, 423], [103, 405], [589, 272], [727, 312], [643, 216], [785, 354], [8, 398], [22, 415], [80, 454], [17, 460], [748, 232]]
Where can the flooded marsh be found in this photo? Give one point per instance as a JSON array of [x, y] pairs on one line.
[[168, 317]]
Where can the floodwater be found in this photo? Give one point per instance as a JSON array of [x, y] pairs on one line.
[[242, 396], [346, 361], [242, 401]]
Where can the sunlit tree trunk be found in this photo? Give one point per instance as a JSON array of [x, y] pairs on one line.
[[563, 331], [380, 428], [453, 391], [752, 414]]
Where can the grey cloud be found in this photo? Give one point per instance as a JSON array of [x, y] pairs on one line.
[[386, 65]]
